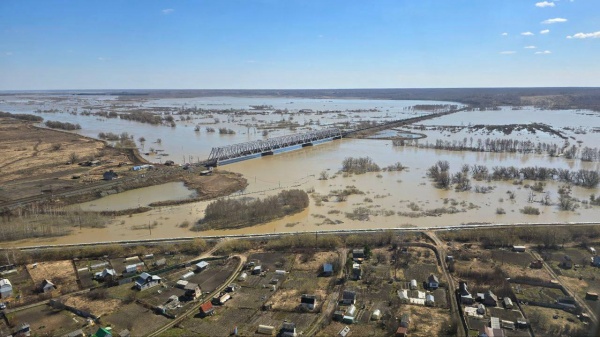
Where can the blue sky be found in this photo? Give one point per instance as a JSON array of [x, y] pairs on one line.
[[52, 44]]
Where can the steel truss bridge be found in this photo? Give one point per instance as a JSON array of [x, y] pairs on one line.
[[268, 146]]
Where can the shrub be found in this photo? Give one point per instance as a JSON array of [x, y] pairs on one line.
[[530, 210]]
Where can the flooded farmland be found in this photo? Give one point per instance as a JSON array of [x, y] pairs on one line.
[[386, 199]]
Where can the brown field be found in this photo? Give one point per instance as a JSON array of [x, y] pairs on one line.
[[313, 262], [32, 162], [544, 323], [139, 320], [99, 307], [61, 273], [46, 321]]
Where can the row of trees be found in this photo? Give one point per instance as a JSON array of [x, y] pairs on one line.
[[505, 145], [232, 213], [443, 178], [62, 125], [25, 117]]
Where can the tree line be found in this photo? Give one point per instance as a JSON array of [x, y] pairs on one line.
[[235, 213], [62, 125]]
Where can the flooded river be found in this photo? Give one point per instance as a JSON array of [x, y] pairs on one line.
[[394, 199]]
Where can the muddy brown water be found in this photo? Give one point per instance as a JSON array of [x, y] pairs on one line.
[[389, 191]]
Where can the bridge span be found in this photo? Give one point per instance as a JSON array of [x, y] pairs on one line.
[[268, 146]]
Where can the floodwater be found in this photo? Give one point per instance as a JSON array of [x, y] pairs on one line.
[[394, 199], [183, 144], [139, 197]]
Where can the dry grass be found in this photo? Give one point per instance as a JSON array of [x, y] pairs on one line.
[[315, 262], [61, 273], [98, 307]]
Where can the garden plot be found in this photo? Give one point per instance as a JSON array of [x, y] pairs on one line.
[[527, 293], [86, 270], [287, 297], [221, 324], [44, 320], [314, 262], [552, 322], [250, 297], [22, 285], [98, 307], [513, 258], [61, 273], [217, 273], [366, 330], [272, 261], [119, 264], [137, 319], [425, 321], [276, 318]]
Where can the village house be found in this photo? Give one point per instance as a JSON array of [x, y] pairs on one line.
[[192, 291], [110, 175], [465, 297], [106, 275], [358, 255], [327, 269], [6, 288], [348, 297], [47, 286], [567, 262], [207, 309], [433, 282], [490, 299], [146, 281], [308, 302], [288, 329]]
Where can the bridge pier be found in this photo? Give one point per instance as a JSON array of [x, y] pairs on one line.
[[307, 144], [268, 153]]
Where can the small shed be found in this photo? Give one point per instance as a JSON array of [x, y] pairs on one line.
[[508, 303], [338, 315], [160, 262], [327, 269], [490, 299], [256, 270], [405, 321], [358, 255], [181, 284], [429, 300], [596, 261], [266, 330], [413, 285], [591, 296], [349, 314], [520, 249], [47, 286], [6, 288], [403, 295], [308, 302], [187, 275], [401, 332], [200, 266], [592, 250], [207, 309], [376, 315], [242, 277]]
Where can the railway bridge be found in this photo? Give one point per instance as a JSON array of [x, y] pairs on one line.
[[269, 146], [266, 147]]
